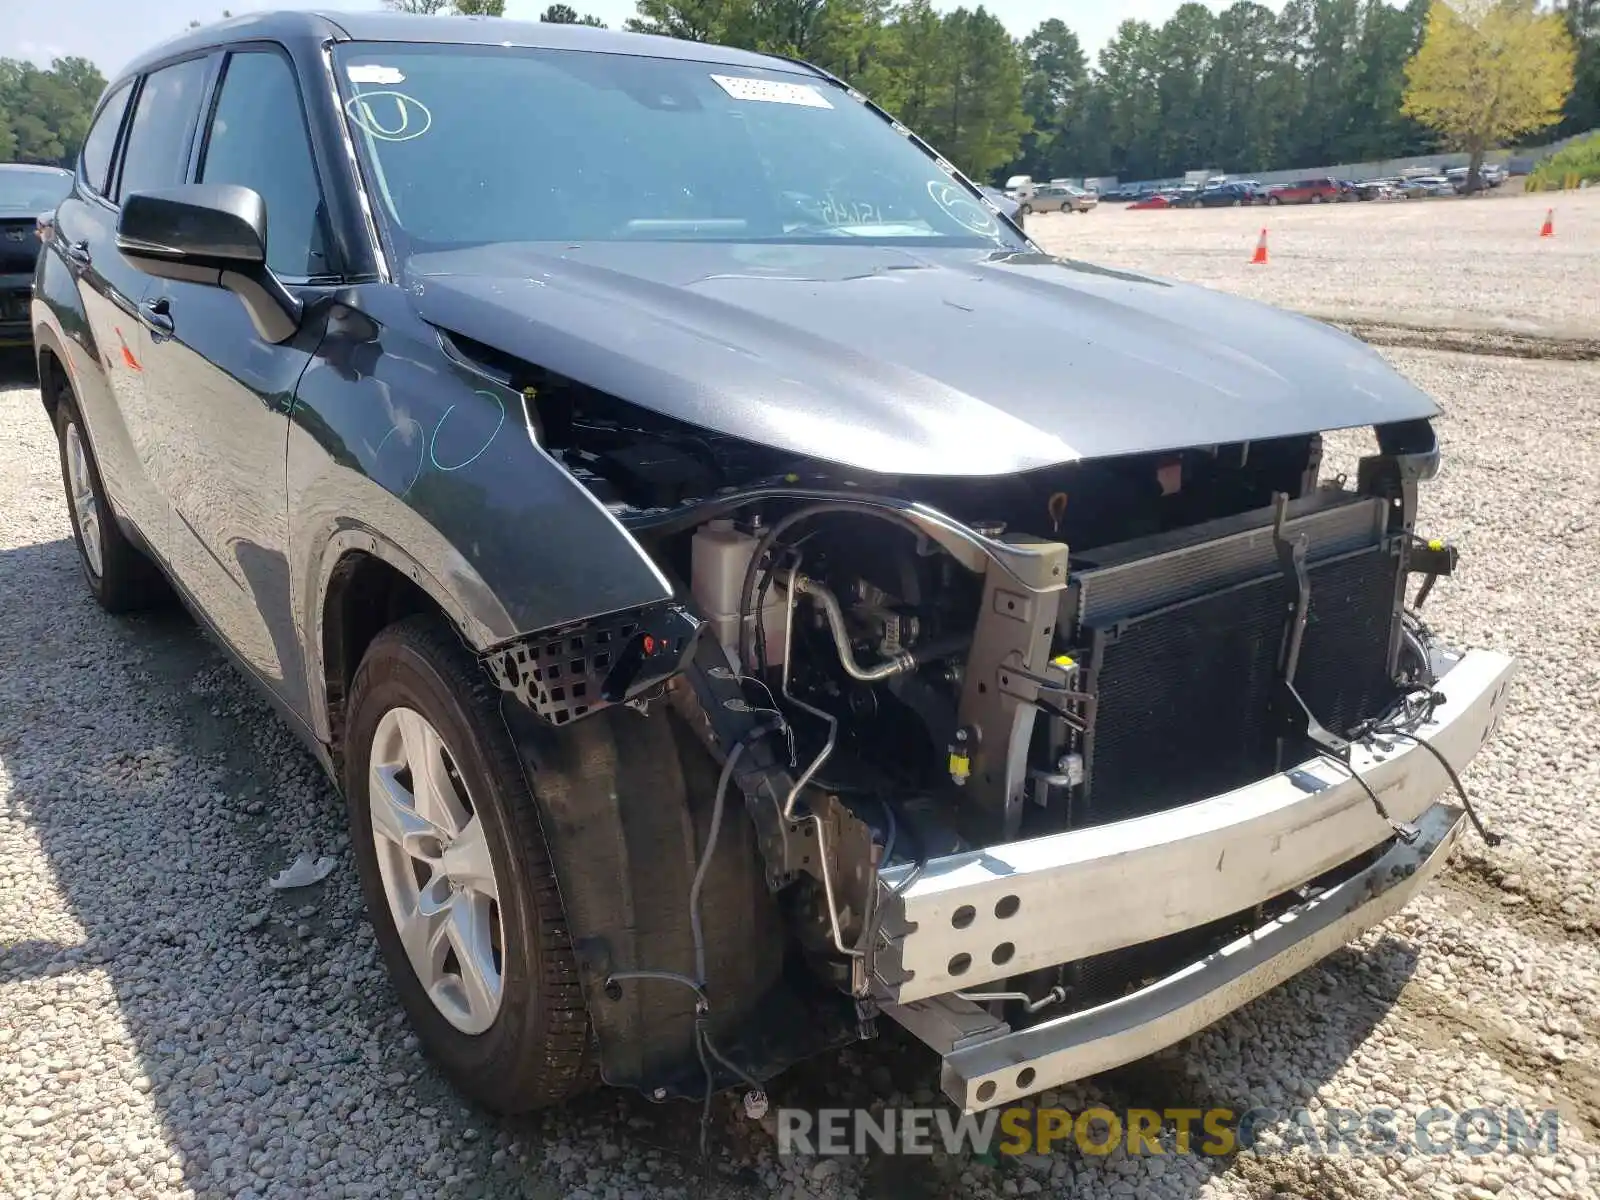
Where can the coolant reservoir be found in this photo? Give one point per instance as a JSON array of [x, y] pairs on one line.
[[719, 558]]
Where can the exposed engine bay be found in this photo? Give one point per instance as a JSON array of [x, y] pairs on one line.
[[922, 668]]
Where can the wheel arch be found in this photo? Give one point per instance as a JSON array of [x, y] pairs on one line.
[[50, 360], [365, 583]]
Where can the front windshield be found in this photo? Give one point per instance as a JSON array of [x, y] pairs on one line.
[[33, 191], [467, 145]]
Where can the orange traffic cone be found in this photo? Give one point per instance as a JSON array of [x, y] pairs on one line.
[[1549, 229], [1260, 259]]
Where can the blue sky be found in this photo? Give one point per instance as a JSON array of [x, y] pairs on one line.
[[111, 32]]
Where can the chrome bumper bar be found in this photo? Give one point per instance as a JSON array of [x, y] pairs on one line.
[[977, 917], [985, 1064]]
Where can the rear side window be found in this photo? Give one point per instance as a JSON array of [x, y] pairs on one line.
[[102, 139], [258, 140], [163, 127]]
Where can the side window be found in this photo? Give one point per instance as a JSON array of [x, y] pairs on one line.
[[258, 140], [102, 139], [163, 120]]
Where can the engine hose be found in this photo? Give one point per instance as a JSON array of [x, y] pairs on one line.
[[898, 664], [776, 530]]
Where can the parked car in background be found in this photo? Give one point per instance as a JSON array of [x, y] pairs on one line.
[[1490, 175], [1419, 186], [1374, 189], [1305, 191], [1057, 197], [1156, 200], [26, 193], [1227, 195]]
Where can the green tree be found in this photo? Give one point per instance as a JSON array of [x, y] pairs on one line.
[[695, 20], [563, 14], [979, 122], [423, 8], [1489, 70], [1052, 88], [1583, 106], [481, 8], [44, 114]]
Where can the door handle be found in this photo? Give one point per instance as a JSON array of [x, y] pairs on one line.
[[156, 314], [77, 253]]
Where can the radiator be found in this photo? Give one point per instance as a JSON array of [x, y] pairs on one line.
[[1184, 633]]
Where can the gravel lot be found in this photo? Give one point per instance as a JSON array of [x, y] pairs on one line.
[[1457, 264], [171, 1027]]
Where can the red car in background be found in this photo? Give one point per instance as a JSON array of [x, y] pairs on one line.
[[1159, 200], [1306, 191]]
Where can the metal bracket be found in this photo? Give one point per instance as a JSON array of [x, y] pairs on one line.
[[1010, 651], [1432, 560]]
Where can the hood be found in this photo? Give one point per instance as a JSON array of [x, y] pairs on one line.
[[907, 361]]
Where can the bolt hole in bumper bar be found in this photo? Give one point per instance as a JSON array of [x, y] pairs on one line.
[[1073, 895]]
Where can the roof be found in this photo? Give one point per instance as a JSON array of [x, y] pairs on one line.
[[301, 26], [42, 168]]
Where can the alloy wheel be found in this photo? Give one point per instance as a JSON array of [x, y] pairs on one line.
[[437, 871], [85, 508]]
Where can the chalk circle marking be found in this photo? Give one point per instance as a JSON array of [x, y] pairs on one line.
[[411, 118], [961, 207], [433, 443], [377, 455]]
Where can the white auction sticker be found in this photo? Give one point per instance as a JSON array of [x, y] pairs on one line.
[[742, 88], [373, 73]]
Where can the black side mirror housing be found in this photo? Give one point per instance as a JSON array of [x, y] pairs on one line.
[[213, 234]]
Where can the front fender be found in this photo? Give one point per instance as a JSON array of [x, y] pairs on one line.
[[398, 451]]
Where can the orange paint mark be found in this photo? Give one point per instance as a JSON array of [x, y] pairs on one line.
[[128, 360]]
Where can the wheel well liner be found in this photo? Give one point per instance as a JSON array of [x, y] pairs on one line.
[[364, 596]]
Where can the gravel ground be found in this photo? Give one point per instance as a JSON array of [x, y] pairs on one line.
[[171, 1027], [1453, 263]]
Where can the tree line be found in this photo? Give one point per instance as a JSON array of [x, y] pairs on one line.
[[1246, 88]]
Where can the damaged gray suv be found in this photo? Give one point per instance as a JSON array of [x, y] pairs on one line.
[[745, 591]]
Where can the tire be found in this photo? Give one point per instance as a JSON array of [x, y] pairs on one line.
[[1316, 197], [1274, 201], [1025, 211], [121, 578], [535, 1050], [1238, 203]]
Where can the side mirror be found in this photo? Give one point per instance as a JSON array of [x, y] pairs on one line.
[[213, 234]]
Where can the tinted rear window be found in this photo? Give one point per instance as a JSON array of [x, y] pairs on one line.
[[163, 126], [102, 139]]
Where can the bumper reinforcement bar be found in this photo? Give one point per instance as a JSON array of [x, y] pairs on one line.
[[986, 1064]]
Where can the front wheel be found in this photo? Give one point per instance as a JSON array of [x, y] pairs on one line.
[[457, 876], [1274, 201], [1237, 203], [1025, 211]]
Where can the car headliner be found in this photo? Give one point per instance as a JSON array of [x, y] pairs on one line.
[[456, 30]]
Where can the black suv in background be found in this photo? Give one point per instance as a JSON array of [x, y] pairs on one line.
[[27, 192]]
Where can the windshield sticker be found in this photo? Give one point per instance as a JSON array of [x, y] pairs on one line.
[[373, 73], [390, 116], [962, 208], [768, 92]]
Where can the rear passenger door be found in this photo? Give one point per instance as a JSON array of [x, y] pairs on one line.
[[105, 289], [223, 392]]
